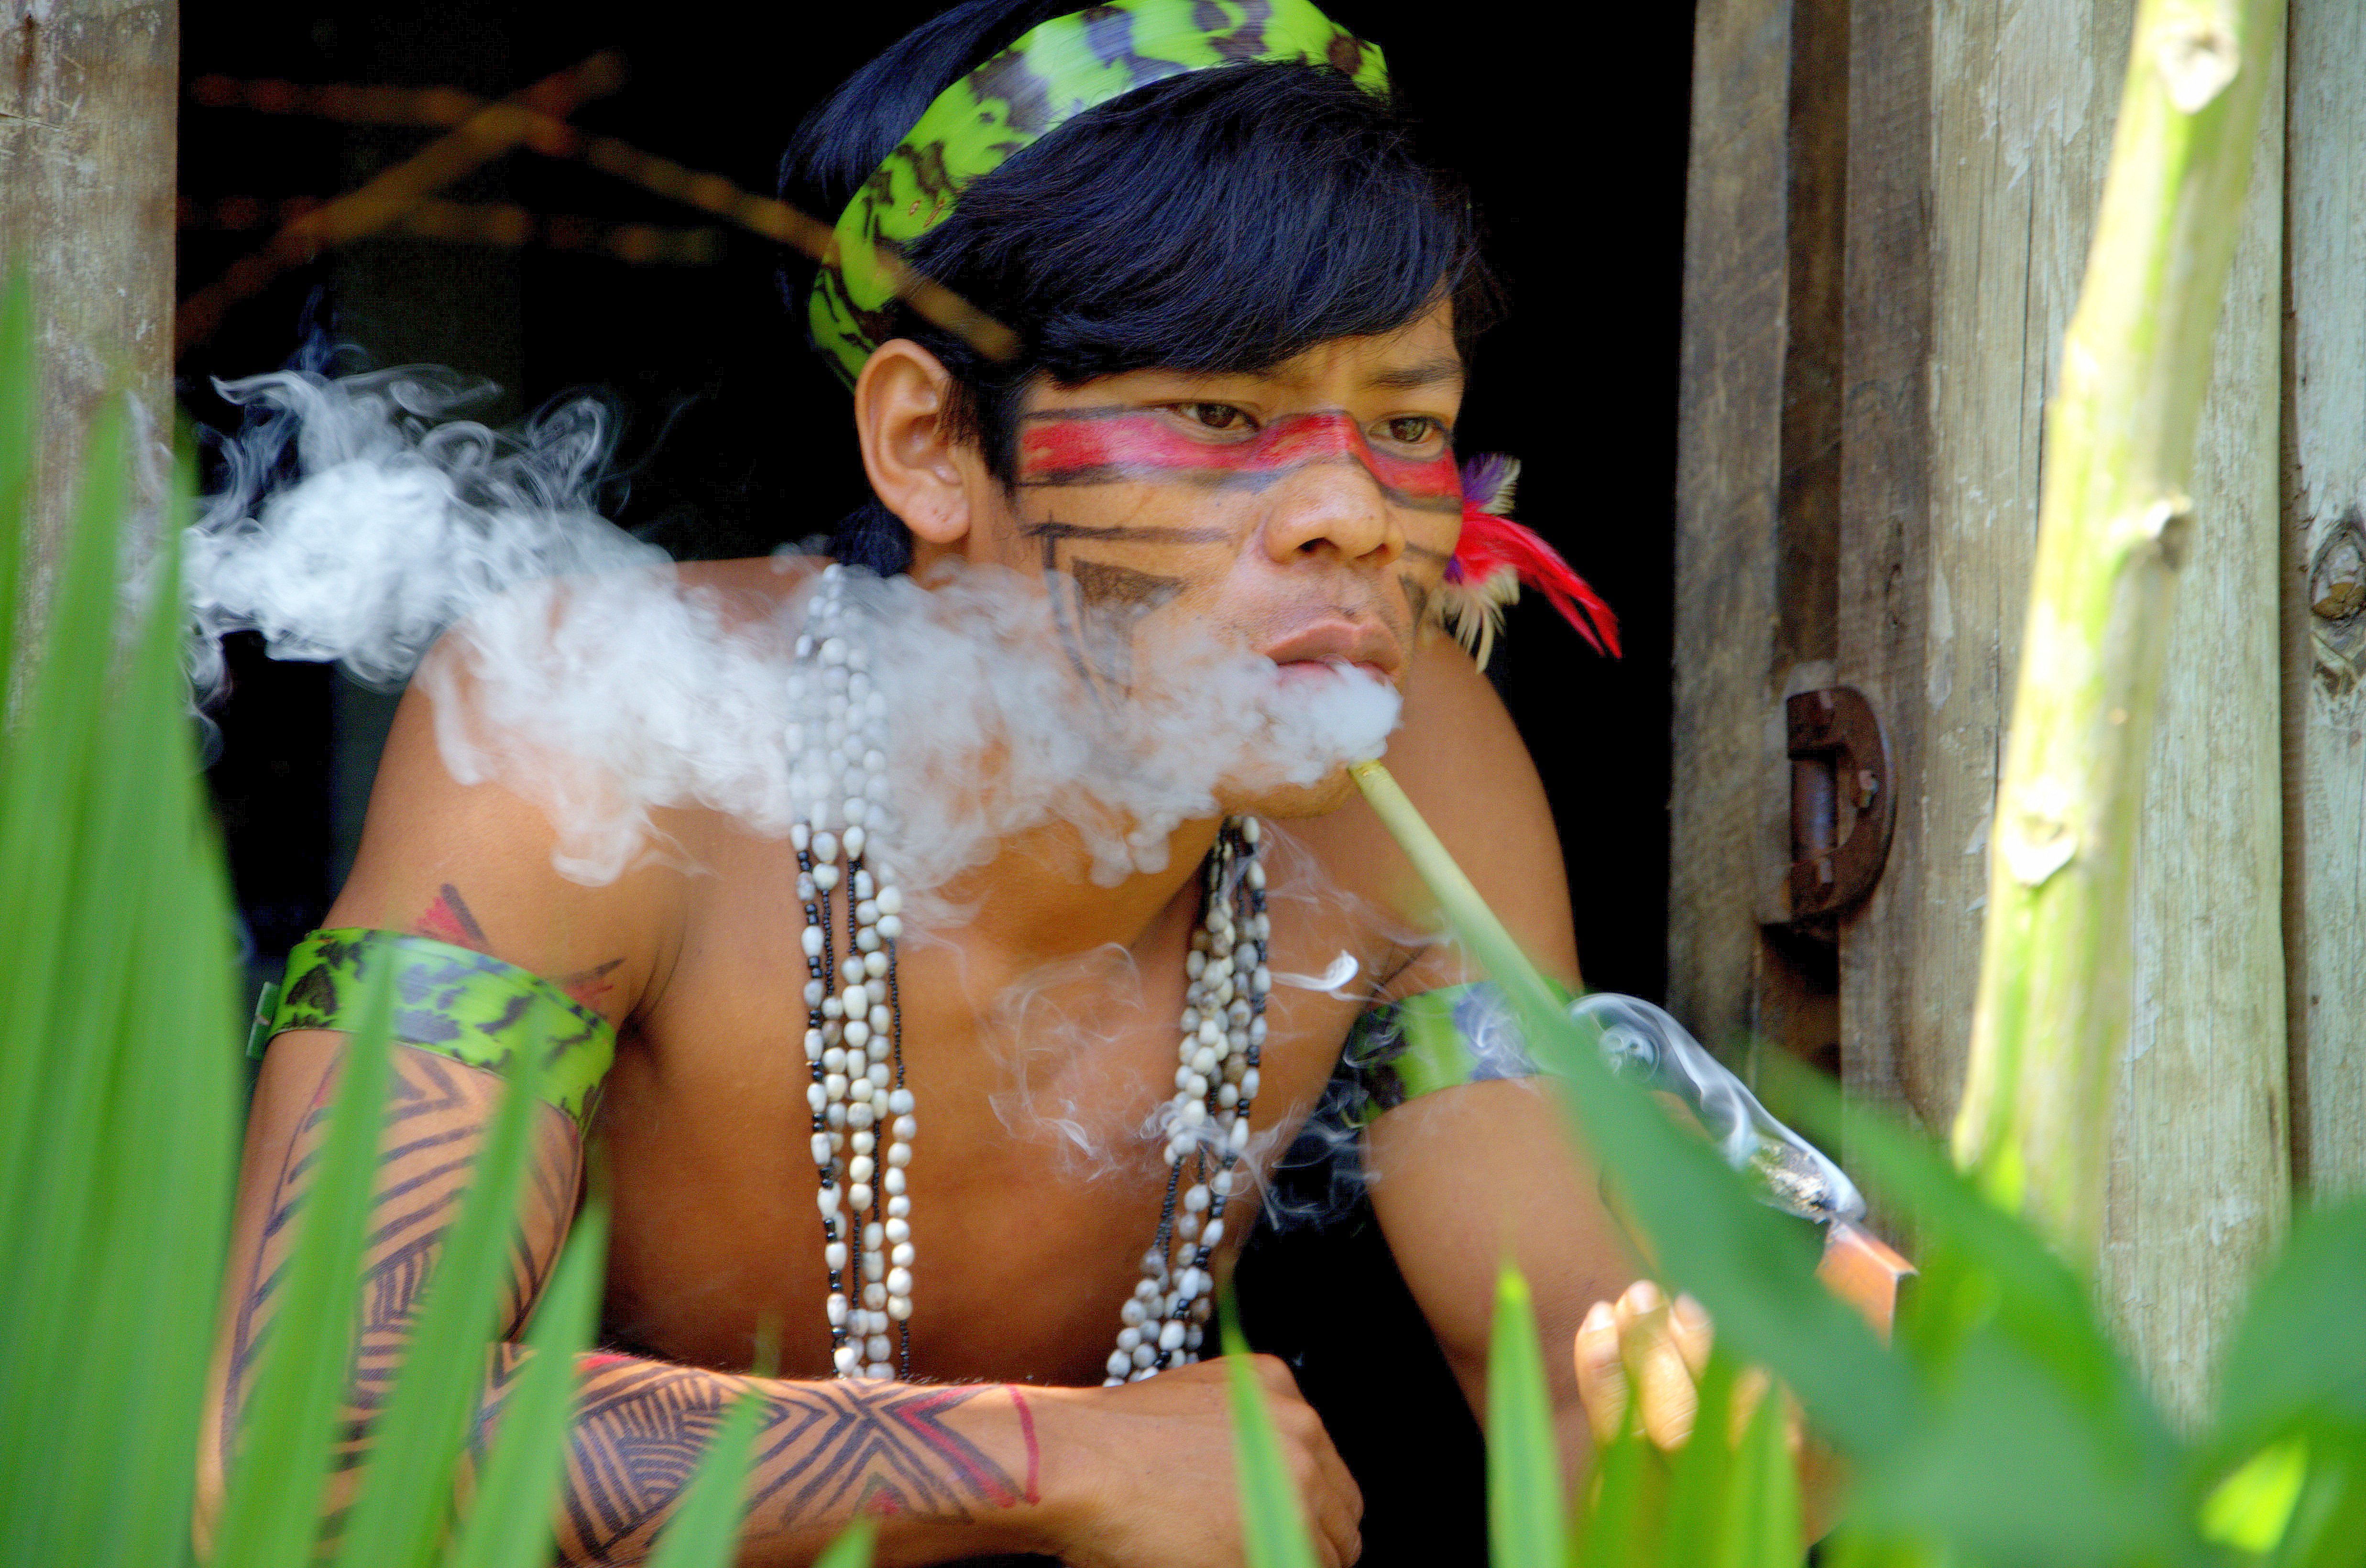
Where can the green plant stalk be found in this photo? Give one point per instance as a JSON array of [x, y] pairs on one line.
[[1273, 1523], [1751, 1265], [1523, 1467], [2052, 1017], [1522, 984]]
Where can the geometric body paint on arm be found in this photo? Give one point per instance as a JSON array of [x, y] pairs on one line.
[[449, 919], [824, 1451], [830, 1452]]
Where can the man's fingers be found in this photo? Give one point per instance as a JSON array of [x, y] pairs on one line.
[[1695, 1333], [1601, 1374], [1333, 1501], [1642, 1299], [1275, 1374], [1749, 1390], [1665, 1399]]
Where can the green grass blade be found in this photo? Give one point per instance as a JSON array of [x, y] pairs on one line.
[[851, 1550], [1699, 1472], [46, 805], [1620, 1525], [20, 381], [704, 1529], [407, 1487], [77, 867], [517, 1488], [1524, 1469], [114, 1196], [1758, 1519], [163, 1187], [1273, 1518], [272, 1512]]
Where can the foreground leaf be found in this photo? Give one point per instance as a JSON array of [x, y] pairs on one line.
[[272, 1512], [1273, 1518], [517, 1489], [1524, 1468], [408, 1488], [704, 1529]]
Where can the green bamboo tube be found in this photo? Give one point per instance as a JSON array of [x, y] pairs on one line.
[[2051, 1022]]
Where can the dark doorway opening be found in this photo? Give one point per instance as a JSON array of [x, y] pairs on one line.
[[1571, 127]]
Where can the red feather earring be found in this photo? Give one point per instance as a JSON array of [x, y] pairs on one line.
[[1495, 555]]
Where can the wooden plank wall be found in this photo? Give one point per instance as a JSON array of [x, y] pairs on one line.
[[1976, 140], [2324, 593], [88, 90], [1728, 484]]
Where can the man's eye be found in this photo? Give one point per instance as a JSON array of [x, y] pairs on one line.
[[1412, 430], [1213, 416]]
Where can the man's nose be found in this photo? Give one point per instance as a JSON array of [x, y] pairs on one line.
[[1329, 500]]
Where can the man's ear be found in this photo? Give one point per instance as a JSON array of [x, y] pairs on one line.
[[917, 469]]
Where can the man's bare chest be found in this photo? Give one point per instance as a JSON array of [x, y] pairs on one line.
[[1037, 1179]]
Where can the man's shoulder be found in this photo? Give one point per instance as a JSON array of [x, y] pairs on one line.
[[755, 583]]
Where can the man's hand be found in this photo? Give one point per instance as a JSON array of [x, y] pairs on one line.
[[1648, 1353], [1144, 1473]]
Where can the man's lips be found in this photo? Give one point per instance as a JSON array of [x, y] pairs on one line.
[[1339, 643]]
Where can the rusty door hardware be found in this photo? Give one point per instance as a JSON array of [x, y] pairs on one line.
[[1841, 805]]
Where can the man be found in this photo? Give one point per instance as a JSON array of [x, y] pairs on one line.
[[1238, 310]]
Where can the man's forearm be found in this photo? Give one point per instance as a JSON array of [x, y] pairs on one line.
[[948, 1471]]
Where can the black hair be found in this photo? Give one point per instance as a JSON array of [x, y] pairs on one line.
[[1219, 220]]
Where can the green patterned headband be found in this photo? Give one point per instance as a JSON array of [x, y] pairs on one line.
[[1054, 73]]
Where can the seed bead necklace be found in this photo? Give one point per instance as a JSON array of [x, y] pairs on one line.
[[854, 1035]]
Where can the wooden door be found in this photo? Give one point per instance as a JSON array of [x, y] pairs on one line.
[[1889, 213]]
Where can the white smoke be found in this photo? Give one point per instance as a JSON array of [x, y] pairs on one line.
[[355, 520], [360, 524]]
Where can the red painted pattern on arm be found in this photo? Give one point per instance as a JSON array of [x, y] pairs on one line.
[[1096, 446], [1027, 1430], [448, 920]]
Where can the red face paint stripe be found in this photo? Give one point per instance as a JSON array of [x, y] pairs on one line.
[[1105, 447]]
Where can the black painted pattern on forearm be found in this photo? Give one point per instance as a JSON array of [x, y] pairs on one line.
[[825, 1452]]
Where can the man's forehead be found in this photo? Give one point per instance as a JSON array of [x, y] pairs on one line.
[[1399, 363]]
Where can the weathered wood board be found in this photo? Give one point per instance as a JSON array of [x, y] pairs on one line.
[[88, 91], [2202, 1162], [1977, 139], [2323, 592], [1729, 474]]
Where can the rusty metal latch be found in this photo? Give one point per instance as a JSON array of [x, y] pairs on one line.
[[1841, 805]]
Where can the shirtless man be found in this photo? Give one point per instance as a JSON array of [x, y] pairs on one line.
[[1243, 312]]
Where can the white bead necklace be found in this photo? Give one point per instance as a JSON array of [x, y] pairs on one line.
[[854, 1038], [1215, 1081], [854, 1035]]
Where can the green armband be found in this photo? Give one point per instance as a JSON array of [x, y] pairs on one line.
[[1438, 1039], [456, 1002]]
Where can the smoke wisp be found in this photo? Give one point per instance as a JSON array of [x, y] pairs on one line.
[[361, 522]]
